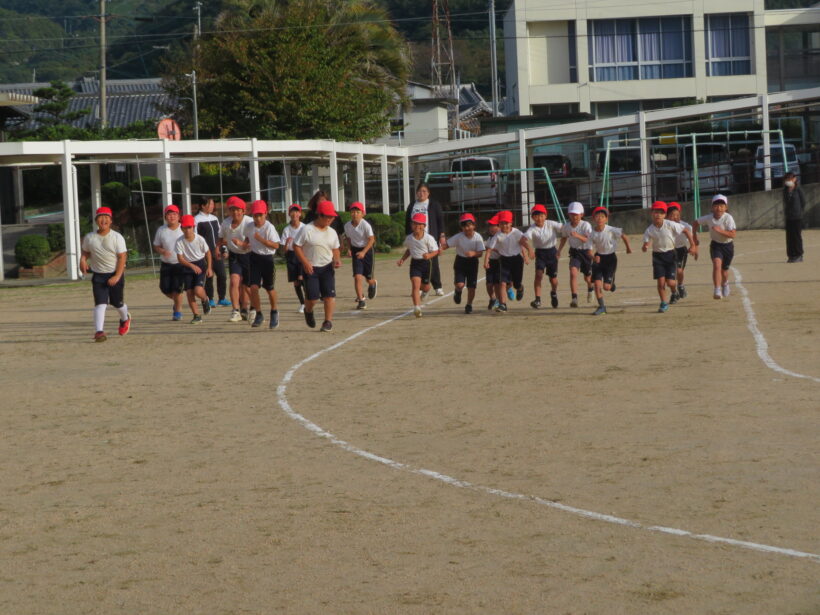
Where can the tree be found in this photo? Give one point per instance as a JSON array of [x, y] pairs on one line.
[[54, 110], [299, 69]]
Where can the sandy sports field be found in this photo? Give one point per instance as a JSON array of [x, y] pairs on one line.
[[532, 462]]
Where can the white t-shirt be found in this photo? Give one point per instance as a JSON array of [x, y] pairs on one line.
[[421, 208], [289, 234], [493, 254], [663, 237], [167, 239], [194, 250], [546, 236], [682, 241], [606, 240], [725, 222], [507, 244], [268, 232], [228, 233], [464, 244], [584, 228], [360, 234], [103, 250], [419, 247], [318, 244]]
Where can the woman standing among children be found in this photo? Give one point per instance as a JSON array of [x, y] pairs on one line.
[[207, 226]]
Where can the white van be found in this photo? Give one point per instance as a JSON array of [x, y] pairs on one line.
[[776, 162], [475, 181]]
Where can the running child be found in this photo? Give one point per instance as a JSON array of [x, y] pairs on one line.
[[469, 247], [421, 249], [543, 234], [234, 234], [604, 240], [512, 248], [104, 254], [194, 257], [263, 240], [360, 240], [722, 230], [170, 271], [661, 234], [317, 248], [289, 233], [491, 263], [673, 213], [577, 231]]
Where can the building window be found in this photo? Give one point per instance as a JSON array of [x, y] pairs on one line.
[[728, 49], [573, 52], [635, 49]]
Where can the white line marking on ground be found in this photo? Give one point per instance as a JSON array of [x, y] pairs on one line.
[[281, 393]]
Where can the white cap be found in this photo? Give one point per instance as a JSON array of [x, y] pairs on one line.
[[719, 197], [576, 208]]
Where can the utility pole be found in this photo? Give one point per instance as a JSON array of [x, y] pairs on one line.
[[493, 59], [103, 109], [198, 11], [192, 75]]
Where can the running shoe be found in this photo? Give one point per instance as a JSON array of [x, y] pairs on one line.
[[674, 298], [500, 307], [726, 290], [125, 325], [417, 311], [274, 319], [361, 304], [589, 294], [258, 319], [327, 326], [176, 316], [100, 336], [554, 300], [206, 308], [423, 294], [510, 294], [491, 304], [223, 302], [372, 290], [301, 308], [574, 302], [310, 319], [600, 311], [536, 303], [663, 307], [235, 316], [196, 320], [519, 294], [251, 315], [457, 296], [681, 291], [211, 302], [468, 309], [439, 292], [717, 294]]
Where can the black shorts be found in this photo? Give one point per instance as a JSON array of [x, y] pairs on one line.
[[681, 256], [546, 259], [493, 275], [465, 270], [511, 270], [171, 278], [191, 280], [321, 284], [362, 266], [262, 271], [581, 260], [664, 265], [105, 294], [421, 268], [605, 270], [240, 264], [723, 251], [295, 272]]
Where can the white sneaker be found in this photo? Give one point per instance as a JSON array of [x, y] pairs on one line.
[[235, 316], [302, 308], [423, 294], [726, 290], [439, 292], [718, 294], [417, 311], [251, 315]]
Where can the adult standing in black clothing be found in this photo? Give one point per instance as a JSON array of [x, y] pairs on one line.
[[435, 227], [207, 225], [794, 204], [320, 196]]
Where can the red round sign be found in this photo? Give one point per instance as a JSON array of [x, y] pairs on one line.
[[169, 129]]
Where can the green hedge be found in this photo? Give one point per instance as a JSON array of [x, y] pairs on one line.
[[387, 230], [56, 237], [32, 250], [116, 195]]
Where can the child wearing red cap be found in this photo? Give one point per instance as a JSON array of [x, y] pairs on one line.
[[170, 271], [317, 248], [543, 234], [289, 233], [104, 254], [604, 239], [722, 231], [661, 234], [491, 263], [577, 232], [360, 241], [421, 249], [513, 250], [194, 257], [234, 235], [263, 240], [673, 213], [469, 247]]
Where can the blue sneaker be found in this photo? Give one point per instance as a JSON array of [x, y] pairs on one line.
[[663, 307], [511, 294], [224, 302], [212, 303], [177, 316]]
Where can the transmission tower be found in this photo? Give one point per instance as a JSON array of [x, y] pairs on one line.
[[443, 61]]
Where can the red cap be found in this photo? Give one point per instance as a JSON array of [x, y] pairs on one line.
[[659, 205], [357, 205], [493, 221], [295, 206], [673, 205], [466, 218], [103, 211], [187, 220], [326, 208], [169, 209], [505, 216], [539, 209], [235, 201], [420, 218], [602, 210], [259, 207]]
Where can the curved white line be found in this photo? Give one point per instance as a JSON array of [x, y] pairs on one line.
[[281, 393]]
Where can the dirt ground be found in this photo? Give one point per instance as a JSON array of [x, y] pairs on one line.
[[158, 473]]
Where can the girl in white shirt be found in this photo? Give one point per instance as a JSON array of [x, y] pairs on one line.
[[421, 249]]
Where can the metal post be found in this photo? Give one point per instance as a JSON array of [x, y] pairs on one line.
[[360, 188], [334, 176], [195, 108], [405, 180], [522, 163], [19, 200], [96, 189], [186, 188], [256, 192], [165, 175], [70, 214], [767, 150], [385, 183], [288, 198], [493, 59], [103, 109], [646, 192]]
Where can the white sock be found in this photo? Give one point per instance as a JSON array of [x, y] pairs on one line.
[[99, 317], [123, 312], [717, 289]]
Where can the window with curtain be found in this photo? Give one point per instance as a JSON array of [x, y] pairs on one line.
[[646, 48], [728, 47]]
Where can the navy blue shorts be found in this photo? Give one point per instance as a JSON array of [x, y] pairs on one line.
[[664, 265], [191, 280], [240, 264], [321, 284], [421, 268], [171, 278], [546, 259], [465, 270], [681, 256], [511, 270], [723, 251], [263, 272], [493, 275], [105, 294], [605, 269], [362, 266], [295, 272], [581, 260]]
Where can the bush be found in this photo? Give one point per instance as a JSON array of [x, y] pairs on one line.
[[152, 188], [386, 229], [344, 216], [116, 195], [56, 237], [32, 250], [383, 248]]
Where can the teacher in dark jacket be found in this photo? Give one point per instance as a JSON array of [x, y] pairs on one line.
[[794, 204], [435, 227]]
